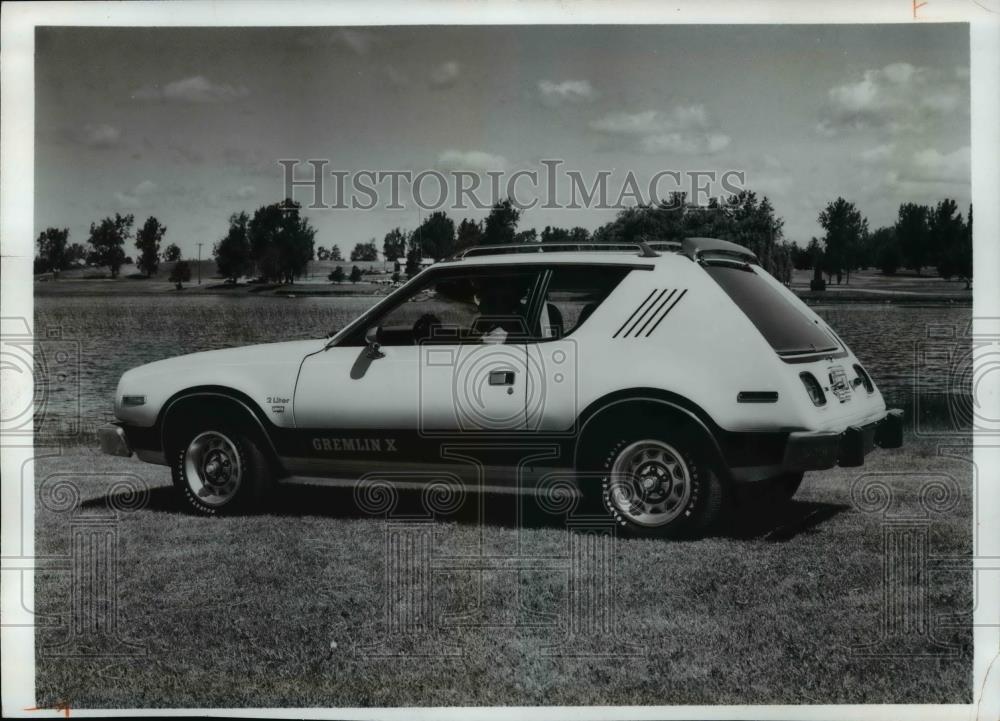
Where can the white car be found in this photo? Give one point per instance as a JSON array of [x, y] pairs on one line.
[[658, 381]]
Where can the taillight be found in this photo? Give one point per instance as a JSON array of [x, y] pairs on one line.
[[814, 389], [866, 380]]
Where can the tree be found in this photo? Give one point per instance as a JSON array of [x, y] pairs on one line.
[[337, 275], [963, 253], [281, 241], [75, 253], [845, 227], [501, 224], [579, 235], [335, 253], [912, 234], [554, 235], [52, 249], [172, 254], [413, 260], [107, 240], [355, 274], [394, 245], [435, 237], [365, 251], [147, 240], [470, 233], [322, 253], [945, 233], [526, 236], [885, 250], [232, 253], [180, 274]]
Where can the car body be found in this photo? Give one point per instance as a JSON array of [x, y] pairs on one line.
[[686, 372]]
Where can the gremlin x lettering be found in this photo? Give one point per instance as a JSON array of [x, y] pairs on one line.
[[662, 377]]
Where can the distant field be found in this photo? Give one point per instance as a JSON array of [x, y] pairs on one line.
[[288, 608], [865, 286], [97, 281]]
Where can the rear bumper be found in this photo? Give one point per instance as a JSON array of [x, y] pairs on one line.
[[113, 441], [816, 450]]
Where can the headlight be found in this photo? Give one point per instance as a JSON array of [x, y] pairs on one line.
[[814, 389]]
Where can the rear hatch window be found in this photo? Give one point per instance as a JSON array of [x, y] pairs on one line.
[[785, 327]]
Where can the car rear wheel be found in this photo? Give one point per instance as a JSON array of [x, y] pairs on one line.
[[219, 471], [656, 487]]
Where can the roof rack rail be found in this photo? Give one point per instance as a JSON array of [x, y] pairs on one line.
[[696, 248], [645, 251]]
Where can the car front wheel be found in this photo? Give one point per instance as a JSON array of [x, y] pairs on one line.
[[219, 471]]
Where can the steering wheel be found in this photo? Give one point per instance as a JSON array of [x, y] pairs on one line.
[[423, 329]]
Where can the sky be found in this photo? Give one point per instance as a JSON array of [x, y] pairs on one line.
[[187, 124]]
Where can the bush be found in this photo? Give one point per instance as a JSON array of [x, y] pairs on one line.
[[817, 284], [180, 274]]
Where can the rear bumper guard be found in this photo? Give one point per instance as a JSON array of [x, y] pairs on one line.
[[817, 450]]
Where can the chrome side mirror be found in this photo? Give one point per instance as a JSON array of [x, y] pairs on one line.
[[372, 336]]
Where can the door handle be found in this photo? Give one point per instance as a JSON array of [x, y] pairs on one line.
[[501, 378]]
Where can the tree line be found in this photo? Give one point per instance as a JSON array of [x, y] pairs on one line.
[[743, 218], [107, 241], [923, 237], [276, 243]]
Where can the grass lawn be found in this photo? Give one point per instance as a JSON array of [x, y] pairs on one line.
[[287, 608]]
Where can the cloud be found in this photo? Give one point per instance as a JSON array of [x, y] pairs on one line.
[[897, 96], [357, 41], [136, 197], [185, 153], [245, 192], [196, 89], [445, 75], [686, 143], [933, 166], [568, 92], [476, 161], [686, 129], [101, 135], [877, 154]]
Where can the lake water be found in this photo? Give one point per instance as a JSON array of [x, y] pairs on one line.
[[85, 344]]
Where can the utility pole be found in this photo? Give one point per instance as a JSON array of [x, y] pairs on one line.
[[199, 263]]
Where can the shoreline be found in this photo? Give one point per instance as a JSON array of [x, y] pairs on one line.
[[84, 289]]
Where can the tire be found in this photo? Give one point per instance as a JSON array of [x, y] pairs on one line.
[[659, 487], [219, 470]]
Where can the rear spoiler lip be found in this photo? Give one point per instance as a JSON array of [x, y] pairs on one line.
[[695, 248]]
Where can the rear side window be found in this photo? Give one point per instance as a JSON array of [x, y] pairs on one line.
[[573, 294], [784, 326]]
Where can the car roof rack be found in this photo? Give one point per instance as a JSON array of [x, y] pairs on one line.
[[644, 248], [698, 248]]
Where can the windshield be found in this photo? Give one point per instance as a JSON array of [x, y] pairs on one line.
[[785, 327]]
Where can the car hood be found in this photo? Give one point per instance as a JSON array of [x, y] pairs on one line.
[[262, 374], [264, 353]]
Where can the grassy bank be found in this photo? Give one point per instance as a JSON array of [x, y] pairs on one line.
[[864, 286], [287, 607]]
